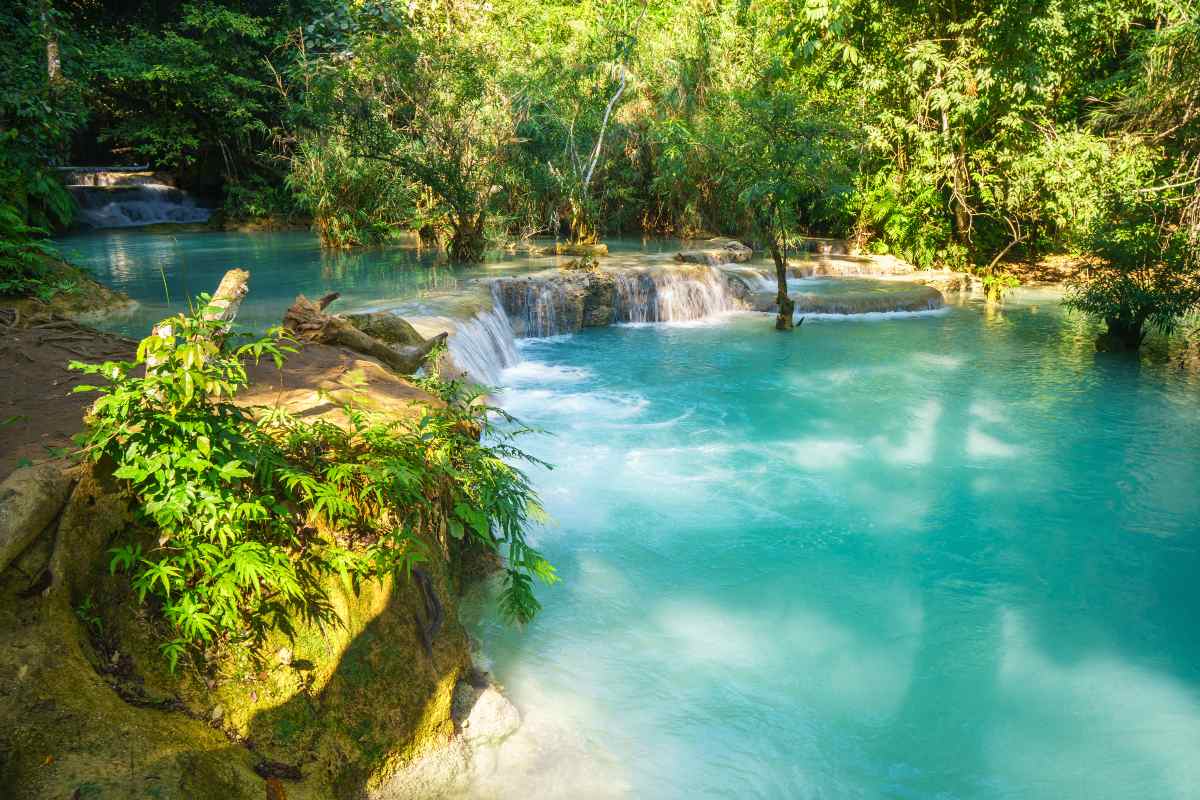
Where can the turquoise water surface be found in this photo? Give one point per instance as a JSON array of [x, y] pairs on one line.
[[938, 556], [941, 555]]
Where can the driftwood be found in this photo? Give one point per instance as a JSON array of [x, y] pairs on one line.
[[228, 297], [308, 322]]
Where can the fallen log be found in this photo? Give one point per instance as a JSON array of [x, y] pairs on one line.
[[308, 322]]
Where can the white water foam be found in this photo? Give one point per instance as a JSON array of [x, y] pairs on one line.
[[540, 372]]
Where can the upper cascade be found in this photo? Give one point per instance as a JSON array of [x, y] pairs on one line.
[[558, 302], [130, 204]]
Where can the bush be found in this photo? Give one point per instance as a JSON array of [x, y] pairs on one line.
[[354, 201], [1146, 276], [251, 509]]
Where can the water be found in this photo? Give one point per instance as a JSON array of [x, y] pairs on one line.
[[947, 554], [135, 205]]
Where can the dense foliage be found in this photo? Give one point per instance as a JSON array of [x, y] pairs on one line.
[[248, 510], [950, 134]]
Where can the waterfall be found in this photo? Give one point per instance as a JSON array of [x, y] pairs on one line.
[[484, 345], [673, 295], [548, 304], [540, 307], [130, 205]]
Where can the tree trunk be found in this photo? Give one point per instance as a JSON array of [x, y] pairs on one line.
[[53, 60], [1123, 335], [308, 321], [467, 242], [787, 308]]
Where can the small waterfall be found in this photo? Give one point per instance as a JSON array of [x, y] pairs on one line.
[[484, 346], [540, 307], [673, 295], [549, 304], [130, 205]]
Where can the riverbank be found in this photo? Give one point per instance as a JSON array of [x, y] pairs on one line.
[[330, 711]]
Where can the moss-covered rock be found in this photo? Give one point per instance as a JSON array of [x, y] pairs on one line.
[[88, 707], [71, 292]]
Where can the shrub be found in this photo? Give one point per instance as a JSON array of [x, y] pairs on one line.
[[1147, 274], [252, 508]]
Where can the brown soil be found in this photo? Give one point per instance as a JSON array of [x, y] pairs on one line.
[[39, 412]]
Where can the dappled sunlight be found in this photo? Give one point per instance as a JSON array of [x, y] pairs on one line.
[[917, 446], [1133, 732], [984, 447], [821, 455]]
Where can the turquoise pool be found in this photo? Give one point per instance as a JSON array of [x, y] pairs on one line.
[[942, 555]]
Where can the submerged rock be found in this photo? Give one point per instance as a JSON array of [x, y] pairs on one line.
[[482, 712], [575, 249], [714, 251]]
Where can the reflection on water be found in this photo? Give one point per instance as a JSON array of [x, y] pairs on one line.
[[901, 558]]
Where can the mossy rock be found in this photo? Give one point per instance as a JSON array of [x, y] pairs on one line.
[[91, 710], [387, 328], [78, 295], [595, 249]]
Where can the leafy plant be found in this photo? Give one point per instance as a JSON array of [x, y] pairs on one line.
[[248, 510], [1146, 276], [997, 284]]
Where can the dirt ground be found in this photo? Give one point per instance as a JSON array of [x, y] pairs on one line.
[[39, 412]]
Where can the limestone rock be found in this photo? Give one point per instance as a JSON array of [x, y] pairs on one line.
[[716, 251], [482, 712], [30, 499], [826, 247]]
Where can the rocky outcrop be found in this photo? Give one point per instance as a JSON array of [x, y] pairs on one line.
[[88, 708], [717, 250]]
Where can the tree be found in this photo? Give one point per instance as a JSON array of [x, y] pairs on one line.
[[786, 162], [1145, 276], [415, 88]]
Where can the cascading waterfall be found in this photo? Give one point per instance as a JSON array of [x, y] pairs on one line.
[[539, 308], [549, 304], [673, 295], [127, 206], [484, 346]]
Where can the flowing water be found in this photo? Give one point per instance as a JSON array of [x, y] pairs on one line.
[[135, 205], [946, 554]]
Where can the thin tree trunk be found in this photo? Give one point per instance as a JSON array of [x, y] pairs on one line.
[[53, 59], [787, 308]]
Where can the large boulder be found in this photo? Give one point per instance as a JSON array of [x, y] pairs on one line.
[[387, 328]]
